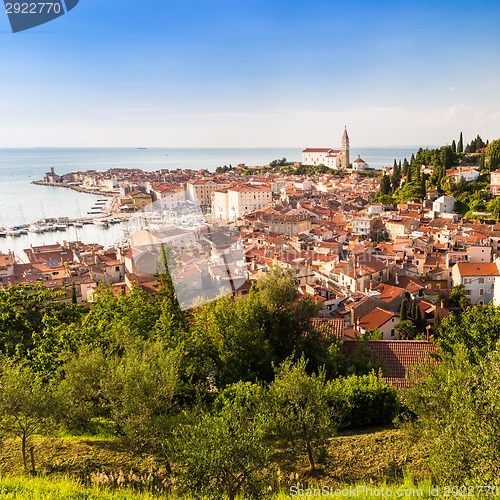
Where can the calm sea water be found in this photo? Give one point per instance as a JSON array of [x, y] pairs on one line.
[[22, 202]]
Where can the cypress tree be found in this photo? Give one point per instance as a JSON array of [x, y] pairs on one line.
[[403, 312], [460, 145], [454, 146], [437, 322], [419, 323], [407, 169], [423, 189], [385, 185], [396, 176]]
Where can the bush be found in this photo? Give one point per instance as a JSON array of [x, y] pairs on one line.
[[363, 401]]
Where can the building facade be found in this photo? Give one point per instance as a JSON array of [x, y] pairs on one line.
[[333, 158]]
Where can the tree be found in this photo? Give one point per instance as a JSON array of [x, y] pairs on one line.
[[385, 185], [22, 308], [285, 318], [241, 350], [493, 154], [396, 176], [140, 391], [459, 299], [81, 389], [405, 329], [460, 145], [456, 407], [403, 311], [225, 452], [454, 146], [301, 412], [27, 407], [407, 171], [477, 330], [493, 206]]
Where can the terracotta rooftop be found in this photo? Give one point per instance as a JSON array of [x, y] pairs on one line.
[[329, 327], [478, 269], [396, 356], [376, 318]]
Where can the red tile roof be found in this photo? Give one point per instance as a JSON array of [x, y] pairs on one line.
[[478, 269], [375, 319], [396, 356], [329, 327]]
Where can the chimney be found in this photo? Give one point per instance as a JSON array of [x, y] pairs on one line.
[[396, 279]]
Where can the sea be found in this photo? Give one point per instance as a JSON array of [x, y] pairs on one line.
[[22, 202]]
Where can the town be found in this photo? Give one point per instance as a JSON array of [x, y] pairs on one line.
[[378, 271]]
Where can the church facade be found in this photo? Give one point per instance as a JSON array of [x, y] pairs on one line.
[[333, 158]]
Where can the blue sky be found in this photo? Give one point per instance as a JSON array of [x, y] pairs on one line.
[[244, 73]]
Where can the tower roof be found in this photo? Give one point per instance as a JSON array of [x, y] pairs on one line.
[[345, 136]]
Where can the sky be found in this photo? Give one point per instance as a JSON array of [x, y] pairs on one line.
[[253, 73]]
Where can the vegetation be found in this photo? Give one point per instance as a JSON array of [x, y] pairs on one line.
[[409, 182], [237, 397]]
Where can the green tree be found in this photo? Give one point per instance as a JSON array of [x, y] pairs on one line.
[[385, 185], [493, 206], [225, 452], [27, 407], [22, 308], [454, 146], [406, 330], [396, 176], [140, 391], [460, 145], [285, 319], [477, 330], [458, 298], [301, 412], [403, 311], [81, 389], [456, 407], [235, 330], [493, 154]]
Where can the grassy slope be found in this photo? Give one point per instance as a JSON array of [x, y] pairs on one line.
[[373, 456]]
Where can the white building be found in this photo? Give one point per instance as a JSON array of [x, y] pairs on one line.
[[165, 196], [466, 173], [231, 203], [200, 191], [359, 165], [444, 204], [333, 158], [478, 279], [382, 320]]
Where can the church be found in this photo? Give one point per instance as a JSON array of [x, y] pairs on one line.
[[333, 158]]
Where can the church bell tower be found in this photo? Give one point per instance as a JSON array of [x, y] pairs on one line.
[[345, 149]]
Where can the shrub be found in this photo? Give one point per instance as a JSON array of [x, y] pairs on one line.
[[363, 401]]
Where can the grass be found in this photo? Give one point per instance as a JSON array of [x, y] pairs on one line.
[[76, 466], [39, 488]]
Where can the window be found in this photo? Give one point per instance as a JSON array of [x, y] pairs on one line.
[[480, 281], [481, 291], [393, 332]]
